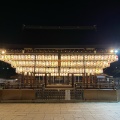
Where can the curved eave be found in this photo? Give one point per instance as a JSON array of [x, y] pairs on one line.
[[21, 46]]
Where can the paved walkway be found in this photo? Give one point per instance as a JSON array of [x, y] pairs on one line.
[[60, 111]]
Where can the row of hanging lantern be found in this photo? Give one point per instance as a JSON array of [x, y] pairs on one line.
[[81, 70], [29, 73], [29, 57], [47, 63], [56, 74], [109, 57], [32, 74], [85, 63], [63, 64], [78, 74], [63, 57], [40, 74], [52, 74], [39, 63], [36, 63], [55, 70], [64, 71], [47, 57], [18, 57], [37, 70], [71, 57]]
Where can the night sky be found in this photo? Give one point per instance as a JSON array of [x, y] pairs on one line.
[[105, 15]]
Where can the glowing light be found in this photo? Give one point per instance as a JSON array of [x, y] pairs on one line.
[[3, 51], [69, 63], [111, 51], [116, 51]]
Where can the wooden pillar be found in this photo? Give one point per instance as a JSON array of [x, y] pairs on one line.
[[90, 79], [22, 79], [31, 79], [72, 80], [45, 79], [27, 79], [83, 79], [86, 80], [52, 79], [78, 78], [32, 76], [68, 79], [34, 69], [95, 82]]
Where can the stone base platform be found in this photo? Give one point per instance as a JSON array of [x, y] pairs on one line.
[[29, 95]]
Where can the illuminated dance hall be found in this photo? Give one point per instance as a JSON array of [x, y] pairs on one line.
[[71, 73]]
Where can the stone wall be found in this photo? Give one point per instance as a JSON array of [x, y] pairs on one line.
[[0, 94], [100, 95], [89, 94], [17, 94], [118, 95]]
